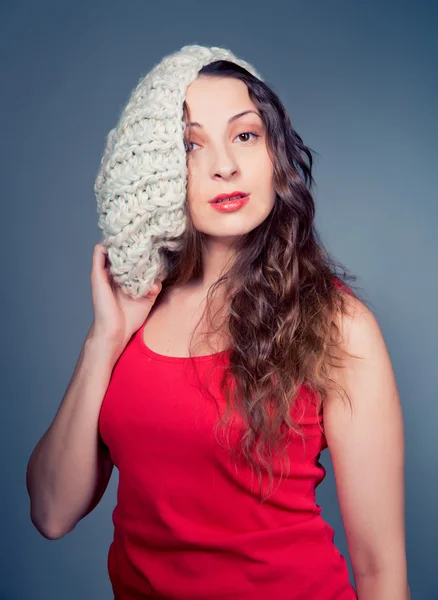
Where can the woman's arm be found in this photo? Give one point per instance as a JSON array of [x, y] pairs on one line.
[[69, 469], [366, 446]]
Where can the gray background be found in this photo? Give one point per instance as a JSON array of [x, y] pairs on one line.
[[359, 81]]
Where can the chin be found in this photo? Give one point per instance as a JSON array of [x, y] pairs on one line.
[[230, 229]]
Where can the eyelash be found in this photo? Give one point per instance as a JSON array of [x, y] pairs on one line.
[[187, 142]]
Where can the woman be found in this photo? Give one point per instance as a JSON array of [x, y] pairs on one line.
[[250, 357]]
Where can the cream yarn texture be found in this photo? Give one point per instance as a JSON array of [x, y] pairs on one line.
[[141, 184]]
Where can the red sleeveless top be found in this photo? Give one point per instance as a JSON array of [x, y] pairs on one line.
[[187, 524]]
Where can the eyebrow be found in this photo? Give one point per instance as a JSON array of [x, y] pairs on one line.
[[230, 120]]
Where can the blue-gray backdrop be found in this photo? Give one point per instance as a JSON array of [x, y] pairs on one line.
[[359, 80]]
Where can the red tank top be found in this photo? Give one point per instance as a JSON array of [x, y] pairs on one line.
[[187, 524]]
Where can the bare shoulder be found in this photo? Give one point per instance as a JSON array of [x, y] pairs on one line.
[[364, 368], [358, 325]]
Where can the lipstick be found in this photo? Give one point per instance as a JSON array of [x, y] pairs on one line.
[[230, 205]]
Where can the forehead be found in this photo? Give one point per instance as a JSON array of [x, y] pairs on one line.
[[216, 97]]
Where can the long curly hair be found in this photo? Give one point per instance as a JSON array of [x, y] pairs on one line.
[[283, 293]]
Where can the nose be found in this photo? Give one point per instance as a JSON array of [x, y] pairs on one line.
[[224, 165]]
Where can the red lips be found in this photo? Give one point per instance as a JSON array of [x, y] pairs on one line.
[[230, 195]]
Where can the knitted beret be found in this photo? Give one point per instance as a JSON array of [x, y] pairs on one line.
[[142, 180]]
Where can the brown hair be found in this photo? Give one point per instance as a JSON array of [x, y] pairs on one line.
[[283, 289]]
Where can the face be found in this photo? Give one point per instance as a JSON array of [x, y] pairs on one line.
[[226, 154]]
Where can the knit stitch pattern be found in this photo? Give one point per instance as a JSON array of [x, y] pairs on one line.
[[142, 180]]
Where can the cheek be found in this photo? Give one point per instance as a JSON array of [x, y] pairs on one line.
[[193, 180], [260, 162], [264, 173]]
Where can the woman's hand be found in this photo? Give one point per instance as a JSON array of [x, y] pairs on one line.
[[117, 316]]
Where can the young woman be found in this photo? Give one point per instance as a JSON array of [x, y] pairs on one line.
[[215, 393]]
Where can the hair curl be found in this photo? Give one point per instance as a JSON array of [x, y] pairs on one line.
[[284, 293]]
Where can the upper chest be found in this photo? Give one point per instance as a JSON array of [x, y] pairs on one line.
[[177, 322]]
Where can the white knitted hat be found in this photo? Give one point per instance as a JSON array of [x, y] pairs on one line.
[[141, 184]]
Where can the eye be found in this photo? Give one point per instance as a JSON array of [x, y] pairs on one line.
[[187, 143], [248, 133]]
